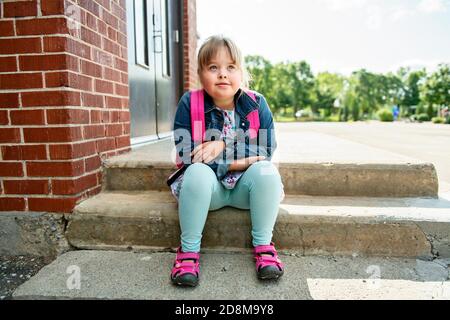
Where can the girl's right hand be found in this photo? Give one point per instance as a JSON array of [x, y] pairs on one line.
[[244, 163]]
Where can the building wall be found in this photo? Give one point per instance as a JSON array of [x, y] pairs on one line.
[[64, 97], [63, 100]]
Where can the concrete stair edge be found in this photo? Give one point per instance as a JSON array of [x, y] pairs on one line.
[[114, 220]]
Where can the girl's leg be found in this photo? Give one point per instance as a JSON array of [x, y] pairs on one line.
[[259, 189], [200, 192]]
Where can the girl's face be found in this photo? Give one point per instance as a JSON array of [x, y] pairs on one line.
[[221, 78]]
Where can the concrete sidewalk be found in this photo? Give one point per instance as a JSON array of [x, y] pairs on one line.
[[129, 275]]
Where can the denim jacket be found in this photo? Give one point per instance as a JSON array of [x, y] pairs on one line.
[[263, 145]]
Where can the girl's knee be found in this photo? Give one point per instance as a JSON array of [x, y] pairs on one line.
[[198, 175], [264, 170]]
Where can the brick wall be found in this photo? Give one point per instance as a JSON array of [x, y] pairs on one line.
[[190, 45], [63, 100]]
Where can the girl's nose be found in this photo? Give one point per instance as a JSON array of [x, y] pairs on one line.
[[222, 74]]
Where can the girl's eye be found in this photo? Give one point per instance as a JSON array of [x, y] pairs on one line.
[[212, 68], [231, 67]]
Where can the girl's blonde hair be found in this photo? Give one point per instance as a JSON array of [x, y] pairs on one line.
[[209, 50]]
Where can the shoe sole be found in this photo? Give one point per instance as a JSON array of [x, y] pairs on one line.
[[185, 281], [269, 274]]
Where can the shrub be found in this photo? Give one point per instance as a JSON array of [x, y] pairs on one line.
[[423, 117], [385, 115], [438, 120]]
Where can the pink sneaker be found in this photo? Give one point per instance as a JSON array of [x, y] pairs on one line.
[[268, 266], [186, 273]]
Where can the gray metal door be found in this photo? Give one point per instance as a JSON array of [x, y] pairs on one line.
[[168, 65], [154, 66], [141, 68]]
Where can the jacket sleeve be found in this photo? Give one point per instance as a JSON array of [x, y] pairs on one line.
[[183, 139], [266, 143]]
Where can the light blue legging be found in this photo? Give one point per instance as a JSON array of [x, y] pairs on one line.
[[259, 189]]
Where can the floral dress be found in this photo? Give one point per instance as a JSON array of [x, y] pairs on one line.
[[231, 177]]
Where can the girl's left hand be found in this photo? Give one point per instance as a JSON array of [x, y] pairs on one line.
[[208, 151]]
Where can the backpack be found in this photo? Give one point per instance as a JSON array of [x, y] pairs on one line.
[[198, 118]]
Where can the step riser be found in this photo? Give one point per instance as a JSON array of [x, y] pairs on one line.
[[415, 180], [231, 230]]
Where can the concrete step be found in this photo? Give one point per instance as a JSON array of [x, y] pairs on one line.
[[87, 274], [323, 166], [410, 227]]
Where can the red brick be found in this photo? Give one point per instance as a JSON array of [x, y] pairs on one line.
[[67, 116], [91, 69], [50, 98], [105, 4], [74, 186], [20, 9], [23, 117], [42, 26], [8, 64], [68, 79], [11, 169], [93, 163], [90, 37], [94, 131], [21, 81], [113, 130], [121, 90], [48, 62], [112, 34], [57, 79], [92, 100], [62, 134], [9, 135], [65, 44], [26, 186], [6, 28], [110, 19], [4, 120], [90, 6], [113, 103], [124, 116], [20, 45], [121, 64], [64, 205], [110, 46], [24, 152], [106, 144], [118, 11], [72, 151], [111, 74], [104, 86], [52, 7], [9, 100], [12, 204], [102, 58], [122, 142], [126, 128], [55, 169]]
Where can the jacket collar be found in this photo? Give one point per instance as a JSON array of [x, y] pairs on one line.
[[244, 104]]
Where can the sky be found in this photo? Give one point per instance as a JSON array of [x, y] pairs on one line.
[[334, 35]]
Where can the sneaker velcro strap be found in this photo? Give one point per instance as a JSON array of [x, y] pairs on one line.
[[188, 256], [265, 249]]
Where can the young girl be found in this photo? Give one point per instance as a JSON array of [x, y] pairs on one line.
[[214, 175]]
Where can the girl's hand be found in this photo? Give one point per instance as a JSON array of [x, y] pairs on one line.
[[244, 163], [208, 151]]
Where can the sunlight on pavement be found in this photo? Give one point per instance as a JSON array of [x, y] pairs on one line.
[[377, 289]]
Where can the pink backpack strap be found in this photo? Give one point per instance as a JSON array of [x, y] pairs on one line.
[[253, 118], [197, 115]]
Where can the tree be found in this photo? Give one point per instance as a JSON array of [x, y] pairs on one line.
[[327, 89], [436, 89], [301, 82]]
